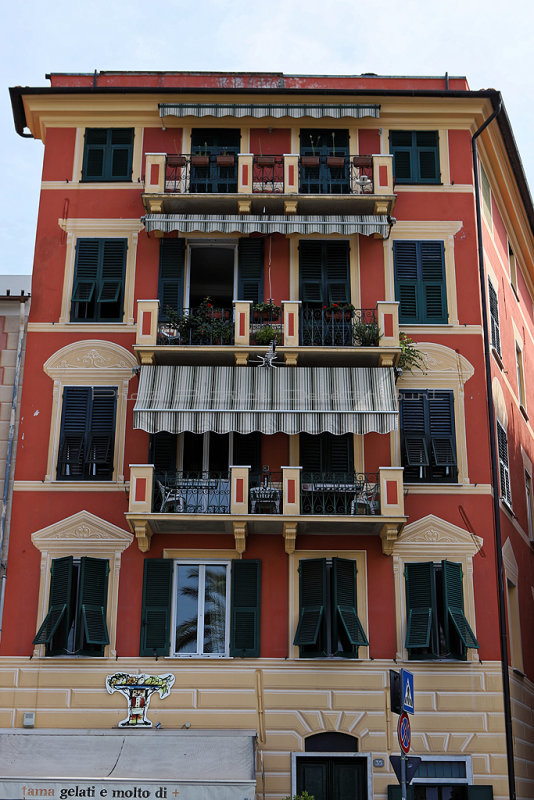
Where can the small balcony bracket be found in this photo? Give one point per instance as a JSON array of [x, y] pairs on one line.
[[240, 536], [290, 536], [389, 534], [143, 534]]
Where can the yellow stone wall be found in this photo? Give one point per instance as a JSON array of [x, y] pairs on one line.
[[522, 693], [458, 707]]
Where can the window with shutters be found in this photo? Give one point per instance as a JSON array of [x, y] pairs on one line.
[[324, 273], [420, 284], [436, 623], [494, 318], [328, 623], [98, 287], [415, 156], [504, 466], [428, 440], [107, 154], [76, 620], [87, 433], [194, 608]]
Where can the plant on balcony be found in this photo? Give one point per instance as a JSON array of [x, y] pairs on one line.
[[410, 357], [202, 325], [267, 334], [339, 311], [264, 161], [366, 334], [176, 161], [267, 311], [225, 159]]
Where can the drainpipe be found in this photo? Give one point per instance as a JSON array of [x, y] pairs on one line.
[[495, 473], [4, 531]]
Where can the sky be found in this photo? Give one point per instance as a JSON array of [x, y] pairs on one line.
[[490, 42]]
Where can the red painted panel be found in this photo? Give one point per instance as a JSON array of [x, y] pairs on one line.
[[276, 268], [460, 157], [291, 324], [383, 175], [147, 323], [58, 162], [154, 174], [291, 490], [391, 493], [239, 490], [368, 142], [291, 175], [244, 179], [156, 140], [140, 490], [372, 271], [388, 324], [275, 451], [241, 324], [270, 141]]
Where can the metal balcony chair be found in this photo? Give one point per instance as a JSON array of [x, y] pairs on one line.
[[170, 495]]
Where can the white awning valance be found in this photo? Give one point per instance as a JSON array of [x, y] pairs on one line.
[[236, 223], [274, 110], [282, 400]]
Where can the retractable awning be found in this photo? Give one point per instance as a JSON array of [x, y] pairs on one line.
[[367, 225], [143, 764], [274, 110], [281, 400]]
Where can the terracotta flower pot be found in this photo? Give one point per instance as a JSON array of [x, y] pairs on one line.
[[335, 161], [264, 161], [225, 161], [200, 161], [176, 161], [309, 161], [363, 161]]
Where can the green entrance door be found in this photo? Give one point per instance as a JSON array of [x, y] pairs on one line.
[[333, 778]]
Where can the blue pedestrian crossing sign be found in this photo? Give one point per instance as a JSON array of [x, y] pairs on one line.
[[407, 697]]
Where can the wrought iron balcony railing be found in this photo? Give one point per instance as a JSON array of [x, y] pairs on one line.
[[192, 492], [266, 493], [339, 327], [274, 174], [202, 325], [340, 493]]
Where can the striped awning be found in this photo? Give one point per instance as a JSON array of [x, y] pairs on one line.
[[274, 110], [280, 400], [251, 223]]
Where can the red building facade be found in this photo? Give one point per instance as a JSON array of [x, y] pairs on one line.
[[277, 534]]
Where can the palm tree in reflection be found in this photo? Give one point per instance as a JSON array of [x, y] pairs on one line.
[[214, 611]]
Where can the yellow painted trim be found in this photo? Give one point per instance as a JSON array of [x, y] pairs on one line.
[[82, 534], [100, 187], [447, 488], [439, 330], [71, 486], [360, 557], [456, 188], [80, 327], [100, 228]]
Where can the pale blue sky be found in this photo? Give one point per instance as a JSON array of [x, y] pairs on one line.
[[491, 43]]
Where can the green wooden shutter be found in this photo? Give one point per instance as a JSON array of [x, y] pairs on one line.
[[57, 621], [75, 416], [406, 280], [441, 431], [171, 276], [494, 318], [345, 622], [92, 599], [420, 604], [120, 150], [413, 422], [311, 272], [247, 451], [312, 618], [111, 279], [163, 447], [336, 269], [310, 453], [94, 154], [156, 608], [250, 269], [101, 433], [312, 777], [245, 608], [427, 149], [401, 145], [338, 453], [85, 285], [431, 256], [453, 601], [504, 467]]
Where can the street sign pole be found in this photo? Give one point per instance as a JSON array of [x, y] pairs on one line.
[[403, 775]]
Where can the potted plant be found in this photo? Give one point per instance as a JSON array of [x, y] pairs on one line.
[[176, 161], [363, 161], [266, 311], [202, 158], [225, 159], [310, 161], [410, 358], [366, 334], [266, 334], [335, 161], [264, 161], [339, 311]]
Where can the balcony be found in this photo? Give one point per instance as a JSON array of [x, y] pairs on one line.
[[271, 185], [303, 334], [287, 502]]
